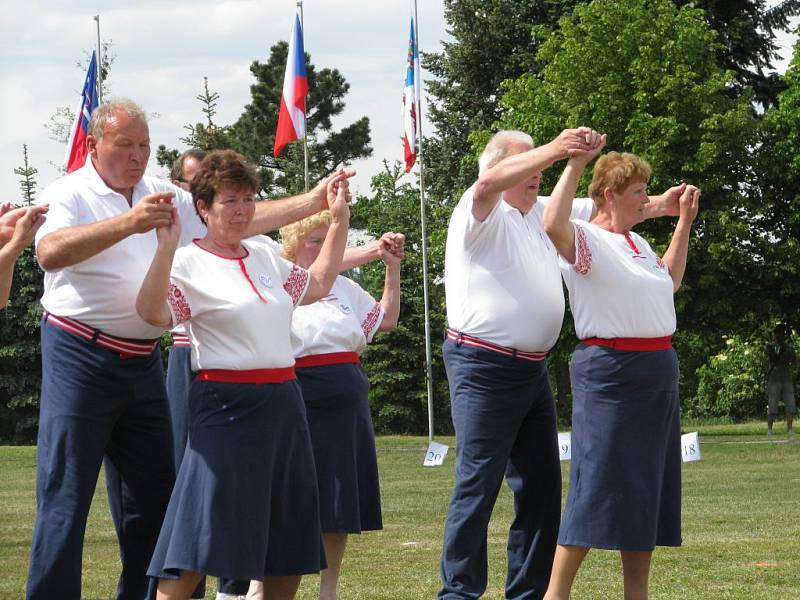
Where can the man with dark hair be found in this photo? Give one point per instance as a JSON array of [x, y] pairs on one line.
[[103, 397], [779, 382], [186, 166]]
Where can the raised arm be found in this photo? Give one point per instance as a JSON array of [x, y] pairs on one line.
[[355, 256], [274, 214], [151, 302], [25, 227], [390, 301], [557, 213], [516, 168], [666, 204], [676, 254], [325, 269], [72, 245]]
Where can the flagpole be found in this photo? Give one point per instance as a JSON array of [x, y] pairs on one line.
[[99, 64], [428, 360], [305, 117]]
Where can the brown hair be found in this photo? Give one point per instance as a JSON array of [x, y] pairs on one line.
[[218, 169], [616, 171]]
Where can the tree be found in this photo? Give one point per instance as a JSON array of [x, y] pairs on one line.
[[253, 134], [493, 41], [27, 183], [658, 92], [395, 361]]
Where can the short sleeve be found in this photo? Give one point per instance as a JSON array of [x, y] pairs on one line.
[[369, 312], [471, 229], [63, 212], [295, 282], [583, 251], [178, 304]]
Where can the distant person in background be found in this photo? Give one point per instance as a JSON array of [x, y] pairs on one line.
[[779, 382], [186, 166], [17, 228]]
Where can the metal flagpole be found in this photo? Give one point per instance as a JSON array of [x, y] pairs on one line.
[[428, 360], [99, 64], [305, 118]]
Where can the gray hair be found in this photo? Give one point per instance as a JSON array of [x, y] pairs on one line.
[[104, 112], [497, 148]]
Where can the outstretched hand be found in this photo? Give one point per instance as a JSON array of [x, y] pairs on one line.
[[392, 248], [10, 216], [26, 226], [169, 235], [338, 195], [151, 212], [322, 191]]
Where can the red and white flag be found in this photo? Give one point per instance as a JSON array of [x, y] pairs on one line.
[[292, 115], [410, 99], [76, 146]]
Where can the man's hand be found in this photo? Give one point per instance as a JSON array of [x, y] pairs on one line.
[[595, 143], [151, 212], [321, 191], [392, 243], [573, 142]]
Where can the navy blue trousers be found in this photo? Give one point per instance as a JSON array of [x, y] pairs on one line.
[[98, 407], [179, 379], [505, 422]]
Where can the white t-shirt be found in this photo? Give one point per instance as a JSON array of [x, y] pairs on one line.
[[343, 321], [502, 281], [180, 330], [101, 291], [618, 287], [238, 312]]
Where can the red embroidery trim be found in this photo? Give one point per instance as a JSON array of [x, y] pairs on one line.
[[180, 307], [368, 324], [583, 263], [631, 243], [296, 283]]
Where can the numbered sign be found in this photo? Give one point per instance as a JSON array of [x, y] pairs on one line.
[[690, 447], [434, 457], [565, 446]]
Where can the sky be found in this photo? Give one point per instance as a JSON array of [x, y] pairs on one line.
[[164, 49]]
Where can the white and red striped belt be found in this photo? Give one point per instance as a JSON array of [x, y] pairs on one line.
[[469, 340], [180, 339], [127, 348]]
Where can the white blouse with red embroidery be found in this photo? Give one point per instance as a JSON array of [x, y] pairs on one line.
[[238, 312], [618, 287], [343, 321]]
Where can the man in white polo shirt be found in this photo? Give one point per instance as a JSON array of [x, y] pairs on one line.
[[103, 395], [505, 306]]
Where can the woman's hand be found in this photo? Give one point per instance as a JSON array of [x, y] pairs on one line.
[[10, 216], [391, 248], [169, 235], [689, 204], [28, 220], [339, 199]]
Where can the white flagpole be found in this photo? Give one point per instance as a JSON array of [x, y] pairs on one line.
[[428, 360], [99, 78], [305, 117]]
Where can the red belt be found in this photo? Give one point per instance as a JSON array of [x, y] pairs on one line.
[[331, 358], [468, 340], [247, 376], [127, 348], [632, 344], [179, 339]]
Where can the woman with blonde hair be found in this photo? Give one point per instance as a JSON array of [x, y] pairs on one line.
[[625, 490]]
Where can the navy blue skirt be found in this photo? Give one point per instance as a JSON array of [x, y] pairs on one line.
[[245, 502], [625, 477], [344, 447]]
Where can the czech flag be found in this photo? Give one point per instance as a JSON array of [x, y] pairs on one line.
[[292, 116], [76, 147], [410, 99]]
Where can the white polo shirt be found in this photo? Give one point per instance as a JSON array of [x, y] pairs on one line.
[[238, 312], [101, 291], [343, 321], [502, 281], [618, 287]]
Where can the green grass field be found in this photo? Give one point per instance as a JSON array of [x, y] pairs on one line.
[[741, 527]]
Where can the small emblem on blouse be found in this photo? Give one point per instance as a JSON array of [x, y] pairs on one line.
[[265, 280], [344, 308]]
